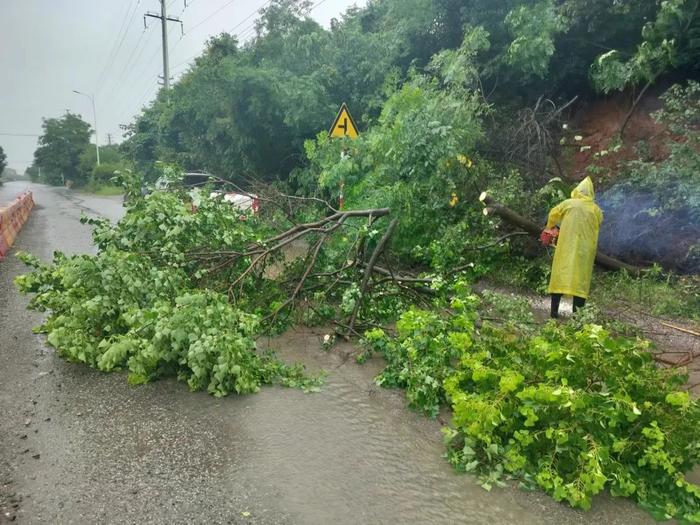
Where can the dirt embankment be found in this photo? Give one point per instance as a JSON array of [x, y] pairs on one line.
[[601, 139], [599, 123]]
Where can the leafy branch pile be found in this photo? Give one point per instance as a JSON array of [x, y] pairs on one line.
[[140, 303], [184, 283], [571, 409]]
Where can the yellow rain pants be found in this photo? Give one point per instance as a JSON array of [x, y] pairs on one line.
[[579, 221]]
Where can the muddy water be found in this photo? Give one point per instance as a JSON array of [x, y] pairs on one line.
[[353, 453]]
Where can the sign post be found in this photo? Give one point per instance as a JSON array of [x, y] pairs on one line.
[[343, 126]]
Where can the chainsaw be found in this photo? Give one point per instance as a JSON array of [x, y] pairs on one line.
[[549, 237]]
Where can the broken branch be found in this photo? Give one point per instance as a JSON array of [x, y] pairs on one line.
[[370, 266]]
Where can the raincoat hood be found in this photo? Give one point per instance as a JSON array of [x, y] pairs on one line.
[[584, 190]]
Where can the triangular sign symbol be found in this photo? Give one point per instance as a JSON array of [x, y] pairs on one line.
[[344, 125]]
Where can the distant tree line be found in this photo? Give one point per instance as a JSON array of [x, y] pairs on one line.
[[65, 154]]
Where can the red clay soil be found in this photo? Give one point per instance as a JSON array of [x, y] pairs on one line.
[[599, 124]]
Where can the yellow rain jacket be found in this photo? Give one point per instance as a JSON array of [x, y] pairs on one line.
[[579, 219]]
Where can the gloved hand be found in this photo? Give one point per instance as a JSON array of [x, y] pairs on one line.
[[549, 237]]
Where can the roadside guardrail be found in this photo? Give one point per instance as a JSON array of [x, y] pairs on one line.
[[12, 218]]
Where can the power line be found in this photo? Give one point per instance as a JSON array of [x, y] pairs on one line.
[[184, 62], [115, 50], [144, 95], [141, 99], [145, 45], [164, 19], [198, 23], [209, 17], [114, 45], [149, 91], [126, 70], [184, 7], [124, 102], [251, 15], [133, 70], [231, 31], [149, 83], [128, 60], [243, 33], [19, 135], [150, 59], [318, 4]]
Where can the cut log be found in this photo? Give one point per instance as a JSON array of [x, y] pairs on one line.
[[494, 208]]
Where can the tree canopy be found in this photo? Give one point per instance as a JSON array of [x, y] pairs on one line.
[[245, 110], [60, 146]]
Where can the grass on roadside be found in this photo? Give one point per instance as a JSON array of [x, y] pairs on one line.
[[102, 190], [667, 295], [656, 292]]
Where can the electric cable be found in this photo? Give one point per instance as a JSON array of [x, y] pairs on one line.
[[243, 33], [113, 56], [120, 100], [209, 17]]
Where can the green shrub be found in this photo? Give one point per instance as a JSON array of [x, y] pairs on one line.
[[572, 410], [104, 173], [575, 412], [512, 310], [657, 292]]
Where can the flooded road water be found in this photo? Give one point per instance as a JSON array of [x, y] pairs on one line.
[[80, 446]]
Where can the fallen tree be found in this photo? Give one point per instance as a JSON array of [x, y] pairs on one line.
[[492, 207]]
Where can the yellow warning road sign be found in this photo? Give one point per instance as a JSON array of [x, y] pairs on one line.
[[344, 125]]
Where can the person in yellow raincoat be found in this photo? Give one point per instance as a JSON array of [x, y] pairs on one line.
[[579, 220]]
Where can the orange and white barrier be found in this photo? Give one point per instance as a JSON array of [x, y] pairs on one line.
[[12, 218]]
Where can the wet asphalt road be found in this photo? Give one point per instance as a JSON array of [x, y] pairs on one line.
[[79, 446]]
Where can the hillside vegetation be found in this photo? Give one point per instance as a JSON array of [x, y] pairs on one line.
[[516, 72]]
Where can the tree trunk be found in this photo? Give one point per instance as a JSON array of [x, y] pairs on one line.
[[632, 109], [508, 215]]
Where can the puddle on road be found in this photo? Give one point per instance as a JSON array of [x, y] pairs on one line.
[[354, 453]]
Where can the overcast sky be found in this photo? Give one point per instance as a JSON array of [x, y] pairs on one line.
[[48, 48]]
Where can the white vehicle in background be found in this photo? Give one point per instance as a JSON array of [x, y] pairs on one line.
[[194, 180], [240, 201]]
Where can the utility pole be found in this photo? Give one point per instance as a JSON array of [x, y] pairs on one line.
[[164, 19], [94, 116], [109, 139]]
